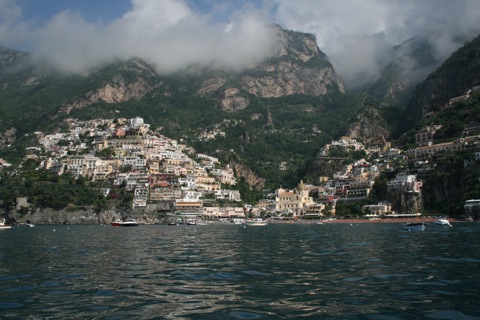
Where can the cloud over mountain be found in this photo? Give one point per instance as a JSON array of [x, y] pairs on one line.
[[357, 36], [167, 34]]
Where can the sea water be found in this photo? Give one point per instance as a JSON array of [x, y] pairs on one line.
[[224, 271]]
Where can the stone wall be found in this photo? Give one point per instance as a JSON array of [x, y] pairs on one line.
[[87, 216]]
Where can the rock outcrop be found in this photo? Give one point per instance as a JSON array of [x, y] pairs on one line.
[[250, 177], [85, 216], [9, 56], [297, 67], [114, 92], [368, 127]]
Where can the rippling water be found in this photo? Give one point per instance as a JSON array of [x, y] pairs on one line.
[[291, 271]]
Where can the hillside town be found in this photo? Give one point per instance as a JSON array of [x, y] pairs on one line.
[[165, 175]]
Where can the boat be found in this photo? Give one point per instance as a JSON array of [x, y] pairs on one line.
[[3, 225], [125, 223], [442, 222], [414, 226], [26, 224], [238, 221], [256, 222]]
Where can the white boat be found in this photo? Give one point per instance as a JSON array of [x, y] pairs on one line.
[[414, 226], [26, 224], [442, 222], [3, 225], [238, 221], [256, 222], [125, 223]]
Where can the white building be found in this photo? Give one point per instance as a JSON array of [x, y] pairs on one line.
[[405, 182], [230, 195]]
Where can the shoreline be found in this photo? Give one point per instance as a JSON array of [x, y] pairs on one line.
[[386, 220]]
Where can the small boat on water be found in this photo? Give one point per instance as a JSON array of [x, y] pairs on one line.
[[442, 222], [238, 221], [26, 224], [3, 225], [256, 222], [414, 226], [125, 223]]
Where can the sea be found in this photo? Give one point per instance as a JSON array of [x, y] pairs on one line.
[[225, 271]]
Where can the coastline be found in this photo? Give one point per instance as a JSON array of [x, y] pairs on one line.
[[386, 220]]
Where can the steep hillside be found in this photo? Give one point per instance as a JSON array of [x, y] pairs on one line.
[[459, 73], [411, 62], [278, 112], [9, 57]]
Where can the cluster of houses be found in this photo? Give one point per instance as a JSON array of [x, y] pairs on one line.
[[164, 174], [161, 173], [353, 182]]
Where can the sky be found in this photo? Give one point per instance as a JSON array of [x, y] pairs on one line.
[[357, 35]]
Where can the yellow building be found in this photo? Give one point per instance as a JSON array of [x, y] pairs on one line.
[[293, 201]]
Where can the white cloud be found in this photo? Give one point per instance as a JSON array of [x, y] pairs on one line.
[[358, 35], [166, 33]]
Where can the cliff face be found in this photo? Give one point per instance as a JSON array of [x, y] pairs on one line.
[[8, 56], [288, 78], [250, 177], [114, 92], [368, 127], [459, 73], [403, 202], [88, 216], [297, 67]]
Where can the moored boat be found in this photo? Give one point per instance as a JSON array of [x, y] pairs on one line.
[[3, 225], [238, 221], [26, 224], [256, 222], [442, 222], [414, 226], [125, 223]]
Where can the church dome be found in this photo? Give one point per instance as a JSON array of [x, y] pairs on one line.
[[301, 186]]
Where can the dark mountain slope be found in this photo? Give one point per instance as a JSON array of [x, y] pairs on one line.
[[459, 73]]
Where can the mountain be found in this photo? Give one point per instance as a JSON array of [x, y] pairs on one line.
[[411, 62], [277, 112], [454, 77], [9, 56]]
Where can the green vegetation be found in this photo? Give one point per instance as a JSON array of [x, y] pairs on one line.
[[451, 183], [277, 138], [46, 190]]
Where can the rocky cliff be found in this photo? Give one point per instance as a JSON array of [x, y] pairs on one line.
[[250, 177], [459, 73], [115, 91], [369, 127], [8, 56], [86, 216], [404, 202], [142, 79], [297, 67]]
